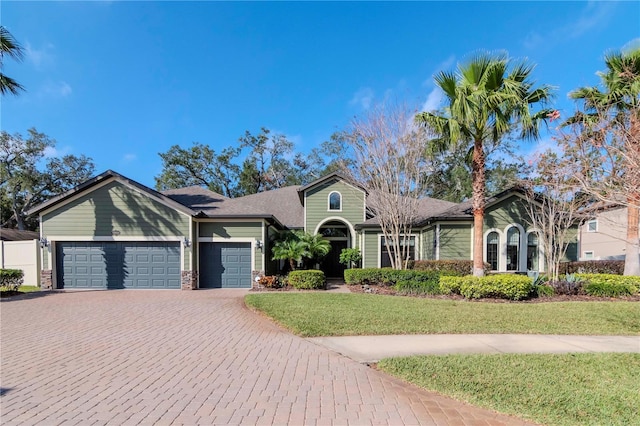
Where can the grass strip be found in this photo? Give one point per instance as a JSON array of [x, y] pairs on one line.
[[567, 389], [318, 314]]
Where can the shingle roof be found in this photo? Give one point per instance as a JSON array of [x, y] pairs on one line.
[[7, 234], [283, 204], [195, 197], [428, 208]]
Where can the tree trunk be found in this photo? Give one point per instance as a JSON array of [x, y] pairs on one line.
[[478, 179], [292, 264], [632, 247]]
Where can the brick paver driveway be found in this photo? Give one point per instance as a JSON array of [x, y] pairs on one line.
[[201, 357]]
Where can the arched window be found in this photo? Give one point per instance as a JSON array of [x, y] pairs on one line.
[[532, 252], [335, 201], [513, 249], [493, 241]]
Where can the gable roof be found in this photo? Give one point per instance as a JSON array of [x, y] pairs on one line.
[[334, 175], [96, 180]]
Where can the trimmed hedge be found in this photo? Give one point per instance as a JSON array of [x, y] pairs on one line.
[[388, 276], [458, 268], [615, 267], [610, 285], [418, 282], [11, 279], [508, 286], [310, 279]]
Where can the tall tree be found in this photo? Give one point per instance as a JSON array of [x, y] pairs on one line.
[[554, 206], [388, 159], [22, 182], [487, 99], [605, 139], [199, 165], [9, 47]]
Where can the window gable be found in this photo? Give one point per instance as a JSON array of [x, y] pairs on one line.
[[335, 201]]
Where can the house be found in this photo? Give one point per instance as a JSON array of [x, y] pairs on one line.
[[112, 232], [603, 235]]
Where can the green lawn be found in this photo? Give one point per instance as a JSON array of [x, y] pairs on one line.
[[318, 314], [569, 389]]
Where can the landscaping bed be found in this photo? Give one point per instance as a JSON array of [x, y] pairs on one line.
[[391, 291]]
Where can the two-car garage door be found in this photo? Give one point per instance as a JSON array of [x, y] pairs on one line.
[[110, 265]]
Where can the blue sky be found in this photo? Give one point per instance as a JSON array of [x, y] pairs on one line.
[[122, 81]]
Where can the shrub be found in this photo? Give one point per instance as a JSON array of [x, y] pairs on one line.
[[270, 281], [424, 283], [458, 268], [11, 279], [570, 285], [389, 276], [610, 285], [363, 276], [593, 267], [350, 256], [310, 279], [543, 290], [507, 286]]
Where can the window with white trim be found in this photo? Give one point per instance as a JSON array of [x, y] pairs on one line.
[[335, 201], [532, 252], [493, 241], [513, 248], [407, 245], [588, 255], [592, 225]]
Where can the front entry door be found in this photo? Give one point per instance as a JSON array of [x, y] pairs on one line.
[[331, 265]]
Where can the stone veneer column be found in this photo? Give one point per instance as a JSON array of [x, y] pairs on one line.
[[189, 280], [46, 279]]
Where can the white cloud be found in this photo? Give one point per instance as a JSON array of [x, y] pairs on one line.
[[445, 65], [363, 98], [53, 152], [39, 57], [433, 100], [127, 158], [594, 16], [60, 89]]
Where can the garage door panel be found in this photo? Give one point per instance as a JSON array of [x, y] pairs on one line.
[[118, 264], [225, 265]]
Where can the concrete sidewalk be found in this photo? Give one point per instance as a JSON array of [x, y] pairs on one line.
[[366, 349]]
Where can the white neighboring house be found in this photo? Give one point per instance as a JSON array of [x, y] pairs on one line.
[[604, 234]]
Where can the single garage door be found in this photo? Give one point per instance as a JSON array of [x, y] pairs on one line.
[[225, 265], [118, 265]]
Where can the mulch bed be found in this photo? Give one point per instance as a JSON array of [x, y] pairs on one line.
[[390, 291]]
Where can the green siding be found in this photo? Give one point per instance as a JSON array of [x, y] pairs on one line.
[[247, 230], [428, 246], [116, 209], [317, 204], [371, 249], [508, 211], [455, 241]]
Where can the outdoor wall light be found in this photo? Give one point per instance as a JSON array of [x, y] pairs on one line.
[[186, 242], [259, 244], [44, 243]]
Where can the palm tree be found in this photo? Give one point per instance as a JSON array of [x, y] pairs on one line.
[[618, 103], [317, 247], [291, 249], [9, 46], [487, 99]]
